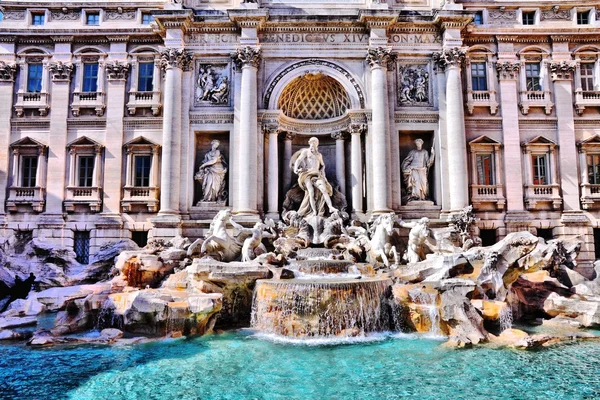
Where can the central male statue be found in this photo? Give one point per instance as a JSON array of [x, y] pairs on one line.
[[310, 169]]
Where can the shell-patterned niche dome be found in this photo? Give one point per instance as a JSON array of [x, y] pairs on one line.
[[314, 96]]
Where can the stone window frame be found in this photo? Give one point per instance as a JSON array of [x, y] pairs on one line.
[[590, 193], [484, 16], [146, 196], [489, 97], [87, 11], [538, 98], [142, 12], [486, 193], [135, 101], [33, 196], [36, 100], [593, 15], [80, 58], [585, 55], [90, 196], [36, 11], [549, 193], [536, 18]]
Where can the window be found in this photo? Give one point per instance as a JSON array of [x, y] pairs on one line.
[[142, 171], [145, 76], [1, 16], [92, 18], [541, 172], [532, 77], [81, 246], [593, 165], [147, 18], [29, 171], [479, 76], [478, 18], [86, 171], [90, 77], [583, 17], [587, 77], [38, 18], [528, 17], [34, 77], [485, 169]]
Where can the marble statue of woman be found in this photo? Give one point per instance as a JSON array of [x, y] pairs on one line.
[[211, 174], [309, 166], [415, 169]]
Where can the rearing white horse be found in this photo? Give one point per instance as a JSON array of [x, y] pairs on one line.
[[380, 247]]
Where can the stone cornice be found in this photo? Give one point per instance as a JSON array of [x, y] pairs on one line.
[[246, 56], [173, 19], [249, 18], [374, 18]]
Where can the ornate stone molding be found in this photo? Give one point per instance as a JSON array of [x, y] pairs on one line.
[[65, 15], [380, 57], [290, 135], [555, 15], [17, 15], [562, 70], [453, 57], [176, 58], [508, 69], [119, 14], [502, 16], [357, 129], [246, 56], [340, 135], [116, 70], [7, 72], [61, 72], [270, 128]]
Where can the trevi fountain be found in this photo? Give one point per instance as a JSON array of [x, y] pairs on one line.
[[290, 309]]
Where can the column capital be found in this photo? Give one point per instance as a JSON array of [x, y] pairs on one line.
[[448, 58], [117, 70], [380, 57], [290, 135], [357, 129], [61, 72], [562, 70], [7, 72], [271, 129], [508, 70], [339, 135], [246, 56], [176, 58]]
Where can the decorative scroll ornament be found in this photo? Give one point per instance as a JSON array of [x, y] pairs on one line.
[[555, 15], [65, 15], [357, 129], [116, 70], [246, 56], [61, 71], [502, 17], [380, 57], [176, 58], [562, 70], [453, 57], [14, 15], [7, 72], [120, 14], [508, 70]]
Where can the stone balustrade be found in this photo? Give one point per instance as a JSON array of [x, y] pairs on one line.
[[83, 196], [95, 100], [32, 100], [144, 197], [537, 195], [26, 196], [138, 99]]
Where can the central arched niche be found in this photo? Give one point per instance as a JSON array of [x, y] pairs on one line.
[[314, 96]]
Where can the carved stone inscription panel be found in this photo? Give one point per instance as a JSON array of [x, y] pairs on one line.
[[212, 85]]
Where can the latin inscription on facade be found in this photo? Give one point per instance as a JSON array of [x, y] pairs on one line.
[[348, 38]]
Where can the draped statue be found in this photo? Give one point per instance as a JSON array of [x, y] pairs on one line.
[[415, 169], [211, 175]]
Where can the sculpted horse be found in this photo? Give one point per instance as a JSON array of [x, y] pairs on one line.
[[379, 246], [218, 242]]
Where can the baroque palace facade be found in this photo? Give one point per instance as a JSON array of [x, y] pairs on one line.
[[112, 111]]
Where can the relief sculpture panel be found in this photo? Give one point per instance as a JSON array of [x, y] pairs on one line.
[[213, 85], [413, 87]]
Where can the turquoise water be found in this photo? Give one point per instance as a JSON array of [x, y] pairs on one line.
[[238, 365]]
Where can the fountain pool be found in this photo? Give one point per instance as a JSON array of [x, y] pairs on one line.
[[240, 365]]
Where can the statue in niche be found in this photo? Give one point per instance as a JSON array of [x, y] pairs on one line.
[[212, 86], [415, 169], [211, 175], [310, 168], [414, 85]]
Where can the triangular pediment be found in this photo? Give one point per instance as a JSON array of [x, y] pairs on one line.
[[484, 140], [594, 140], [141, 141], [28, 142], [84, 141], [540, 140]]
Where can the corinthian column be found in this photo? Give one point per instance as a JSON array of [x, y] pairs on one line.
[[272, 173], [174, 61], [356, 183], [248, 59], [340, 160], [287, 157], [378, 58], [451, 60]]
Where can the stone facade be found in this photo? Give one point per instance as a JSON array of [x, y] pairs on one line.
[[108, 110]]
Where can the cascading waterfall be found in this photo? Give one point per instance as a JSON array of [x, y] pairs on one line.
[[428, 301], [506, 318], [320, 307]]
